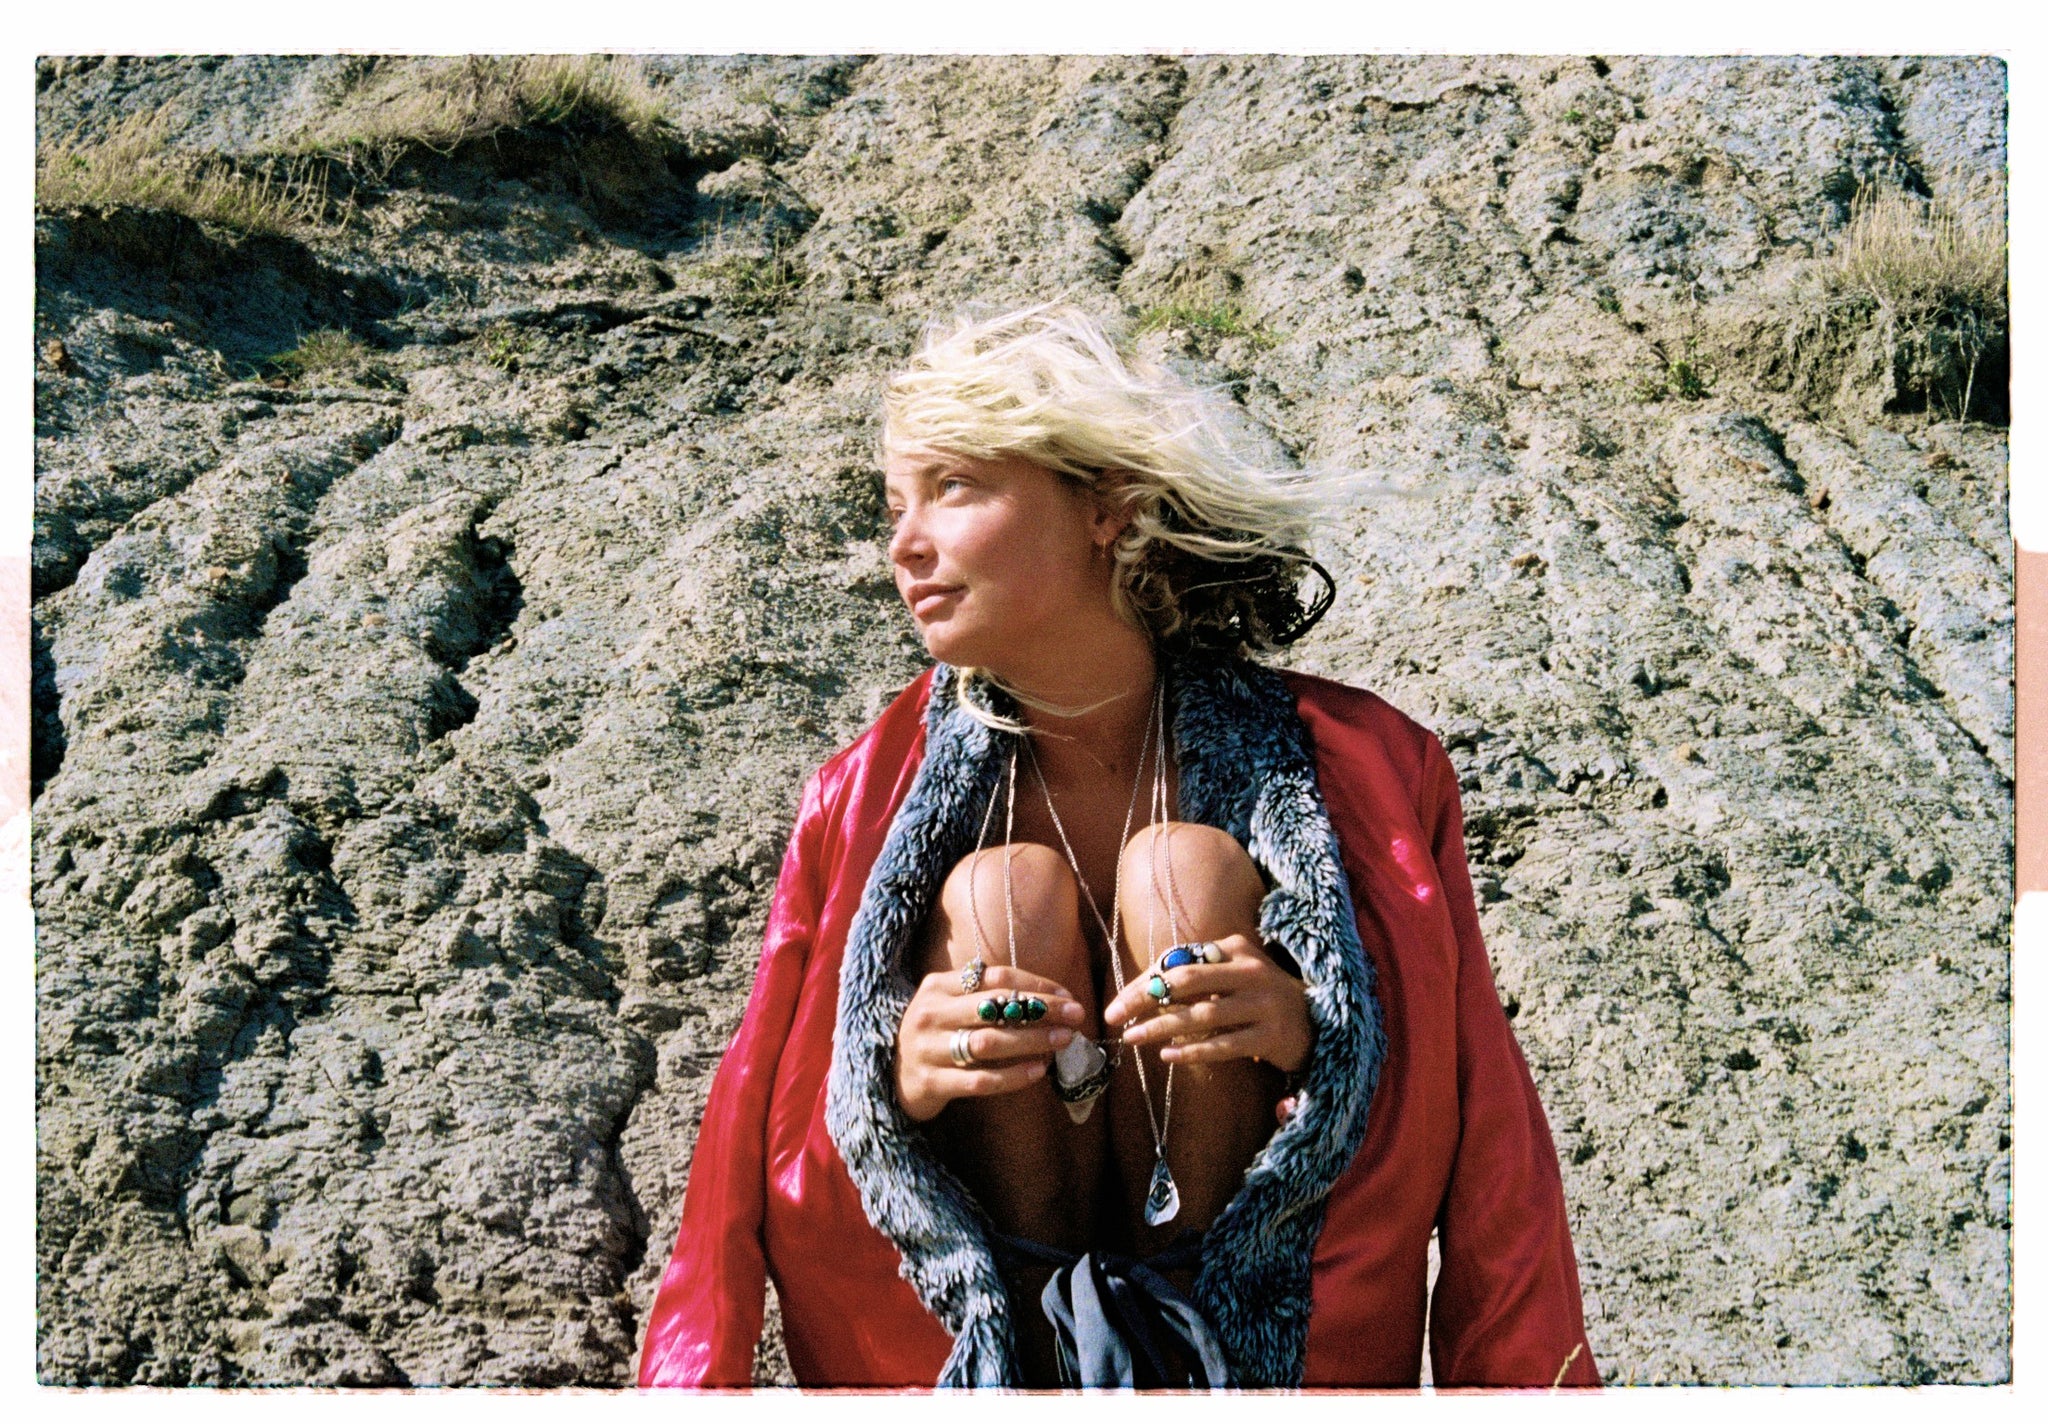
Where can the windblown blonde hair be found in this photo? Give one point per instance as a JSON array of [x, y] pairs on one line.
[[1216, 547]]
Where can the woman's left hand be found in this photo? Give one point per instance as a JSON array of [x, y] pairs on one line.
[[1245, 1007]]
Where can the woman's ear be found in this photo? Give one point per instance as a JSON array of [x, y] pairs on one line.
[[1109, 518]]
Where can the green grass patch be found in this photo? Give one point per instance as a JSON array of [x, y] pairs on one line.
[[751, 280], [329, 355], [1682, 380], [1220, 319], [505, 345]]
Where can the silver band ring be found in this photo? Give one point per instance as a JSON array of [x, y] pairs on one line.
[[963, 1056]]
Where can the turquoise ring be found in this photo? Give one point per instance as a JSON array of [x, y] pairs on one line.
[[1010, 1010]]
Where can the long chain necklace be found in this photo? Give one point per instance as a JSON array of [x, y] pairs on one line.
[[1162, 1196], [1080, 1070], [981, 947]]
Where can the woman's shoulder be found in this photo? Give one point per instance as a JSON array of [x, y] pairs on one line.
[[1344, 718], [880, 748]]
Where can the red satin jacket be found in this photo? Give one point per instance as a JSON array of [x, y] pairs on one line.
[[1456, 1137]]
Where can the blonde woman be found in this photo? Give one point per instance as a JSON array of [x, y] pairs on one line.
[[1123, 1017]]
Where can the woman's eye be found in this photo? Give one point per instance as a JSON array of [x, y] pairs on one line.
[[951, 482]]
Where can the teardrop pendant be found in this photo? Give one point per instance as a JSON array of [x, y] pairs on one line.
[[1162, 1202]]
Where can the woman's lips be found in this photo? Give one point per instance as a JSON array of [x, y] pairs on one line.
[[925, 601]]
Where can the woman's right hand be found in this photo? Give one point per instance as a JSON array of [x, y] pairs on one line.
[[1006, 1060]]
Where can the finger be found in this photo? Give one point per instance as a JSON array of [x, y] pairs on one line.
[[999, 1045], [1018, 981], [1058, 1002], [987, 1082], [1133, 1003], [1195, 981], [1187, 981], [965, 1012], [1204, 1016], [1218, 1048], [1239, 946], [1135, 999]]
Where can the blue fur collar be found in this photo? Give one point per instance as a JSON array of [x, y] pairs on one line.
[[1246, 767]]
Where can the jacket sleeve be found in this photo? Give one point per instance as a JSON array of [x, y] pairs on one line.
[[1506, 1309], [706, 1319]]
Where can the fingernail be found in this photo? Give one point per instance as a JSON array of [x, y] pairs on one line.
[[1169, 1055], [1060, 1037], [1037, 1071]]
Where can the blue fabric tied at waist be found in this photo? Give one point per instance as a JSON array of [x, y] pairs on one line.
[[1121, 1324]]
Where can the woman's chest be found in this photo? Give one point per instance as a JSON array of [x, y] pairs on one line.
[[1088, 831]]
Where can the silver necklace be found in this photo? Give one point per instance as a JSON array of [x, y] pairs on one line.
[[981, 946], [1080, 1070], [1162, 1196]]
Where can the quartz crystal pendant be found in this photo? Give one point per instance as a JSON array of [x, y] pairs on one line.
[[1080, 1072], [1162, 1203]]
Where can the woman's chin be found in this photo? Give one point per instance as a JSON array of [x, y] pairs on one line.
[[947, 645]]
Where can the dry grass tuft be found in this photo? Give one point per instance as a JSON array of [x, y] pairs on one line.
[[1907, 311], [442, 104], [1933, 273], [135, 166], [1918, 259]]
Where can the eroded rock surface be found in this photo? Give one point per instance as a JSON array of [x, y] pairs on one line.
[[414, 747]]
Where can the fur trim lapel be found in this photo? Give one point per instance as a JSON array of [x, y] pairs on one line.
[[1245, 766]]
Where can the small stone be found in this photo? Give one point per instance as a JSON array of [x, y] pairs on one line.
[[1034, 1010], [1157, 987], [1176, 957], [989, 1011], [1013, 1012]]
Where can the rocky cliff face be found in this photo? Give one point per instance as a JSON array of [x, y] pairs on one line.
[[416, 728]]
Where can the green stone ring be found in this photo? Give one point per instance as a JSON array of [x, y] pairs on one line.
[[1010, 1011], [1159, 989]]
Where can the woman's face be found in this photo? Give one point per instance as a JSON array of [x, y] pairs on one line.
[[997, 560]]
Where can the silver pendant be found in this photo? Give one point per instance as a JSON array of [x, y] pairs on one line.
[[1162, 1203]]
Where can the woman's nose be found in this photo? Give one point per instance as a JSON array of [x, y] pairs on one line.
[[908, 543]]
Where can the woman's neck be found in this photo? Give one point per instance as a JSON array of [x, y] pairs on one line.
[[1113, 679]]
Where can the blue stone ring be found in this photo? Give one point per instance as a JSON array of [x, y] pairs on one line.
[[1194, 952], [1202, 952]]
